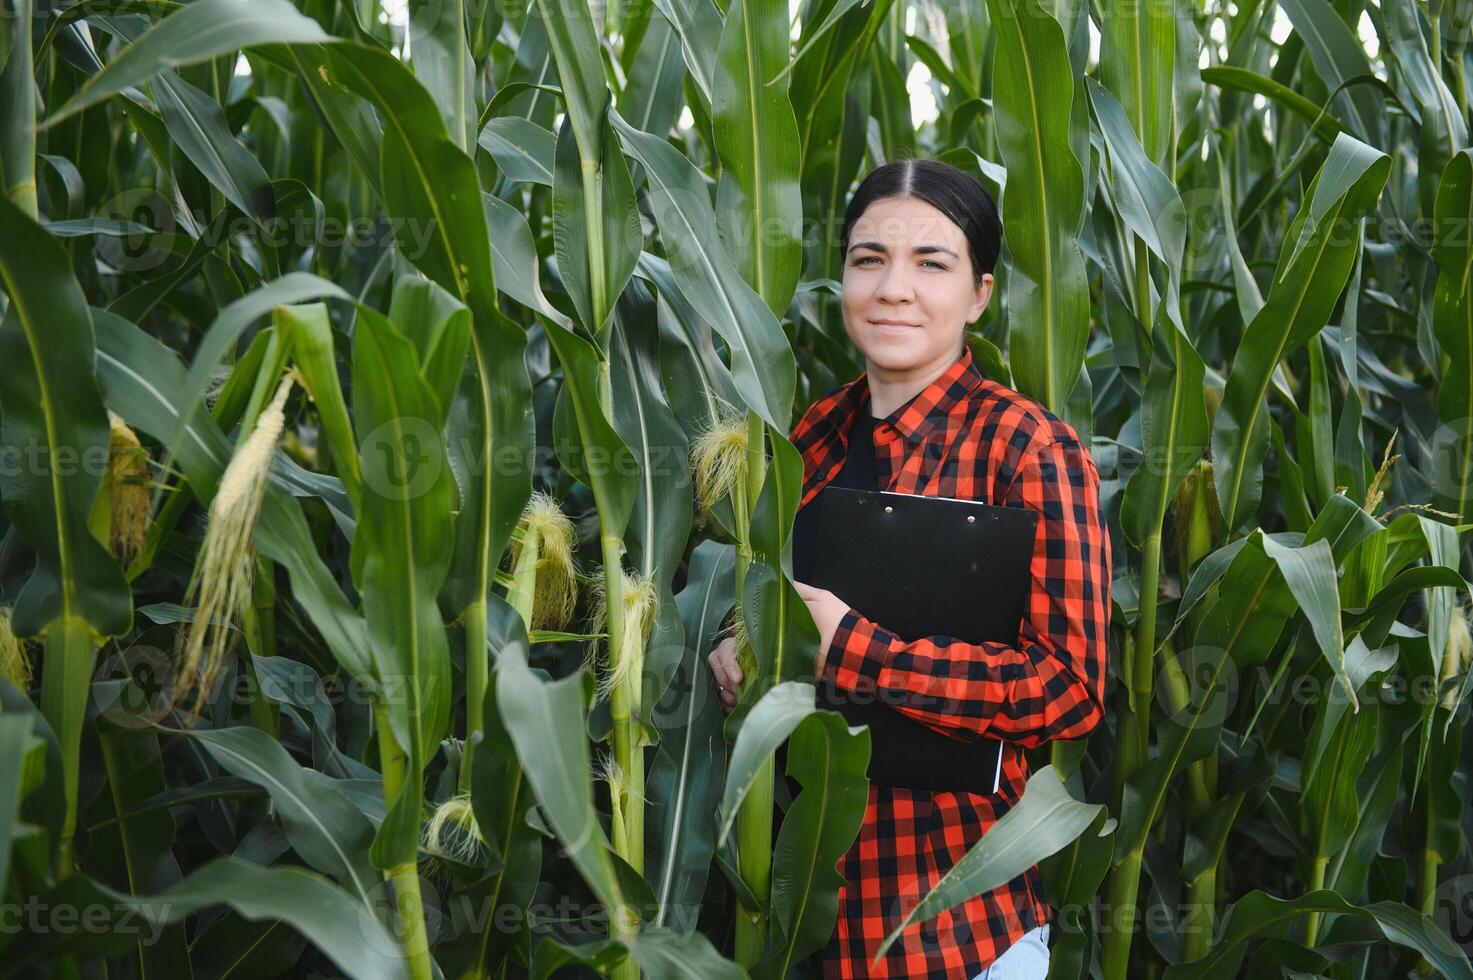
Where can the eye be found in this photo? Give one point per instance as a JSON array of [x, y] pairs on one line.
[[933, 262], [866, 258]]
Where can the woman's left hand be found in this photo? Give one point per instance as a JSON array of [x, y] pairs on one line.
[[827, 610]]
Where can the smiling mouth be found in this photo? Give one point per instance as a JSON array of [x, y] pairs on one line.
[[894, 325]]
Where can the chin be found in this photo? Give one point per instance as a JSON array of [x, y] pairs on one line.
[[891, 359], [898, 353]]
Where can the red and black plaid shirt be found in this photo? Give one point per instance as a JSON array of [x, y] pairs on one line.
[[965, 436]]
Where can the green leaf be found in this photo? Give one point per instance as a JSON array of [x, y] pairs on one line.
[[325, 828], [429, 184], [439, 325], [197, 125], [698, 24], [685, 776], [1306, 283], [515, 258], [1442, 551], [1339, 57], [607, 456], [829, 760], [758, 201], [661, 955], [554, 757], [1259, 915], [323, 913], [1324, 123], [1452, 319], [443, 65], [196, 32], [765, 727], [1045, 820], [522, 149], [1043, 202], [137, 850], [660, 522], [15, 743], [403, 549], [227, 329], [1309, 573], [595, 226], [780, 627], [761, 359], [503, 800], [575, 48], [1336, 753], [1138, 66], [53, 419], [1173, 408], [308, 335]]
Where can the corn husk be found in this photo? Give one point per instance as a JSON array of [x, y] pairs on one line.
[[555, 595], [453, 834], [640, 603], [1457, 657], [127, 486], [1196, 518], [15, 661], [718, 460]]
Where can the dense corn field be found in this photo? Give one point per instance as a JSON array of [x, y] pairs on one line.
[[395, 404]]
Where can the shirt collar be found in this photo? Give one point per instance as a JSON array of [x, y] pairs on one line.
[[924, 414]]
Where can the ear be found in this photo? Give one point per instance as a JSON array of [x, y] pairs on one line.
[[981, 296]]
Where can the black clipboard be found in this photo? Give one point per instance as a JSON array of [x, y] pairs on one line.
[[924, 566]]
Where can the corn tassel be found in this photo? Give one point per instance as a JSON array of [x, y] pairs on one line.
[[226, 569]]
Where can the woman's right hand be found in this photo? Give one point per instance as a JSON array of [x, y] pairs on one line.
[[727, 671]]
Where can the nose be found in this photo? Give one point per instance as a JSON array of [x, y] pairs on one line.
[[895, 285]]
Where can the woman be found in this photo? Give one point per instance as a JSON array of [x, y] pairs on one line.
[[920, 239]]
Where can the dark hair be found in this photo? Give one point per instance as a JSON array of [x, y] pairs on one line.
[[955, 193]]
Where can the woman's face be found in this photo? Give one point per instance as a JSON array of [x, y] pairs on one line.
[[908, 287]]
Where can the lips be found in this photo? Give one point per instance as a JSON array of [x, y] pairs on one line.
[[893, 326]]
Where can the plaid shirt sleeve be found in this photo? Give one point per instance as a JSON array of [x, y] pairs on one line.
[[1051, 684]]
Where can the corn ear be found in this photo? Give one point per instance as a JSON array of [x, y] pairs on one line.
[[1196, 519], [1457, 658], [555, 595], [719, 460], [640, 602], [15, 663], [453, 834], [127, 486]]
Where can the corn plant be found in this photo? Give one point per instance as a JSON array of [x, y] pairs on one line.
[[395, 411]]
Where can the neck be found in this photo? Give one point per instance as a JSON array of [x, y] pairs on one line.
[[888, 389]]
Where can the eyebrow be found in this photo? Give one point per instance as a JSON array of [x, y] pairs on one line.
[[919, 249]]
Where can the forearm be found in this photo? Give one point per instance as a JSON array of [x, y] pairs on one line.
[[1027, 694]]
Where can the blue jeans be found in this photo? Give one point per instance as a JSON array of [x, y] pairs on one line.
[[1026, 959]]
